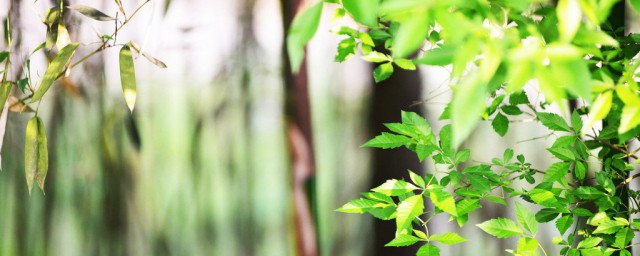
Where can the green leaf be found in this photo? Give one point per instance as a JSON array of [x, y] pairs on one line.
[[5, 90], [542, 197], [636, 5], [511, 110], [128, 76], [608, 227], [580, 170], [91, 12], [588, 193], [360, 206], [576, 121], [526, 219], [395, 187], [411, 35], [554, 122], [302, 29], [54, 70], [405, 64], [569, 18], [600, 107], [546, 215], [556, 171], [403, 240], [630, 118], [22, 84], [363, 11], [438, 56], [417, 179], [448, 238], [428, 250], [564, 223], [383, 72], [519, 97], [623, 238], [562, 153], [444, 201], [3, 56], [408, 210], [376, 57], [467, 107], [346, 49], [589, 242], [35, 152], [387, 140], [465, 206], [500, 124], [501, 228]]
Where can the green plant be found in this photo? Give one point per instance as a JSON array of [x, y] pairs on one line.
[[61, 49], [494, 47]]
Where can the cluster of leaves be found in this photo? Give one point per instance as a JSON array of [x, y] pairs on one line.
[[60, 49], [494, 48]]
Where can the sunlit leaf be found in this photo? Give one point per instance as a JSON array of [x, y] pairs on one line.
[[128, 76], [91, 12], [302, 29], [501, 228], [600, 107], [569, 18], [448, 238], [428, 250], [468, 106], [36, 155], [409, 209], [54, 70], [403, 240], [410, 35], [526, 218], [383, 72], [363, 11]]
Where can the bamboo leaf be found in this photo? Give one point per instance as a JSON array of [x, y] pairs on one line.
[[36, 155], [91, 12], [128, 76], [150, 58], [54, 70]]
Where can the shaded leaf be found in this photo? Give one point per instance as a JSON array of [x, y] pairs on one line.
[[564, 223], [91, 12], [36, 155], [500, 124], [554, 122]]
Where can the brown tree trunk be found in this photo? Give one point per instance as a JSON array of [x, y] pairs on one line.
[[300, 141], [389, 98]]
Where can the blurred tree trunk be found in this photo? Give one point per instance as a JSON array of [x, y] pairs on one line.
[[390, 97], [299, 133]]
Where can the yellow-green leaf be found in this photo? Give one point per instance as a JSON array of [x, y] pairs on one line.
[[36, 155], [5, 89], [302, 29], [600, 108], [128, 76], [54, 70], [569, 18]]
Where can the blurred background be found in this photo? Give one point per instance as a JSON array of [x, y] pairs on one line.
[[226, 152]]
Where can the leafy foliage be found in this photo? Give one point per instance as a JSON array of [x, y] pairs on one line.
[[494, 49]]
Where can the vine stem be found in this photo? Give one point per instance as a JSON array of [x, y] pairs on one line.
[[542, 248]]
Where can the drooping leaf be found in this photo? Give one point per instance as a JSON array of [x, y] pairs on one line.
[[403, 240], [501, 228], [91, 12], [383, 72], [526, 218], [409, 209], [36, 155], [623, 238], [467, 107], [500, 124], [428, 250], [150, 58], [128, 76], [576, 121], [411, 35], [569, 18], [405, 64], [448, 238], [564, 223], [302, 29], [600, 107], [54, 70], [387, 140]]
